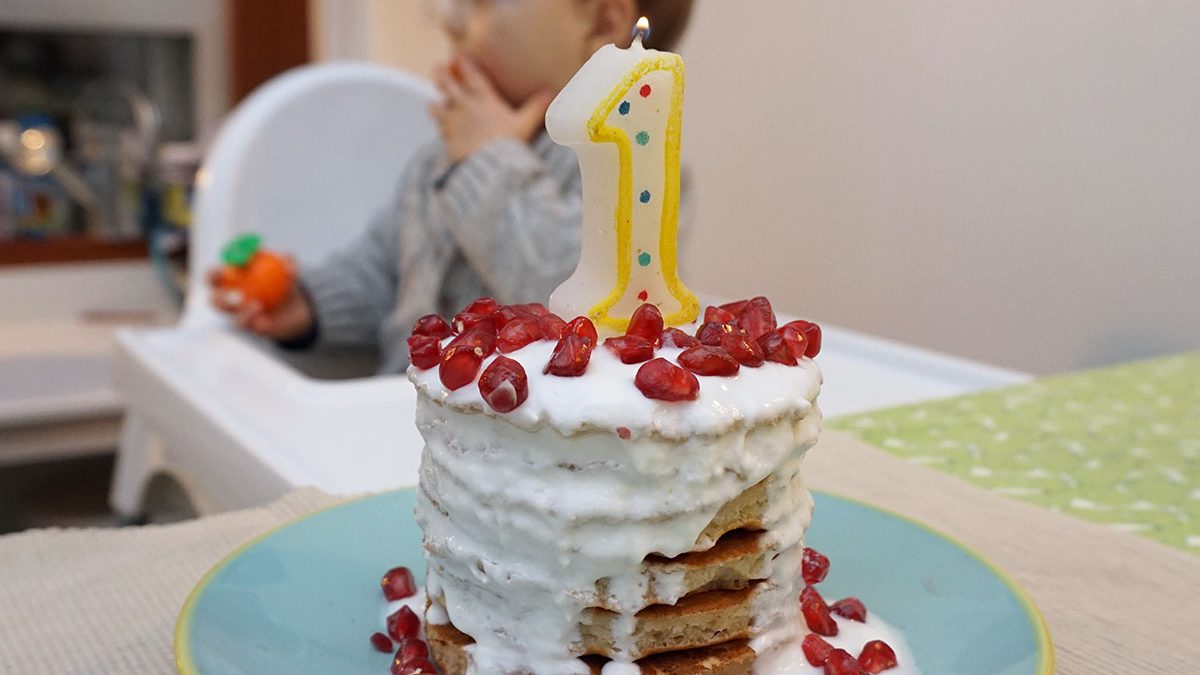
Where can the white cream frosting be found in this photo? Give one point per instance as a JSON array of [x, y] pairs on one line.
[[523, 512]]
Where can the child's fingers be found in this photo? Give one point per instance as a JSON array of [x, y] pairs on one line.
[[473, 79], [447, 84], [247, 314]]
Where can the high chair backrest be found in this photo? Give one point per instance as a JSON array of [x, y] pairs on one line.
[[305, 161]]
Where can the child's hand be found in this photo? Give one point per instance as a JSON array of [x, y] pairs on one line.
[[471, 113], [290, 319]]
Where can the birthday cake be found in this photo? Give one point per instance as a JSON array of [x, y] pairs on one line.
[[619, 492], [634, 501]]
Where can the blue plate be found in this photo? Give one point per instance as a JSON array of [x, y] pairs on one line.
[[303, 598]]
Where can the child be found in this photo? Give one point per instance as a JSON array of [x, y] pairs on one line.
[[493, 209]]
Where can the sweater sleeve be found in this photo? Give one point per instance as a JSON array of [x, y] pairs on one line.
[[353, 290], [516, 219]]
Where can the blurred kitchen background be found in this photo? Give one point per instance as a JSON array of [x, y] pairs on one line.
[[1013, 183]]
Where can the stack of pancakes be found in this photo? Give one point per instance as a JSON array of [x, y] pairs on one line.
[[699, 607]]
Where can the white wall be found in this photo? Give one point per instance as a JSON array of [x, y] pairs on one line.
[[1011, 181]]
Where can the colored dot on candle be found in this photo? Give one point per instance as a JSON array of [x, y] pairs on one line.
[[643, 138], [644, 259], [624, 108], [645, 196], [645, 90], [643, 295]]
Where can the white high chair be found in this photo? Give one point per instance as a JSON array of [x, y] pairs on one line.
[[306, 161]]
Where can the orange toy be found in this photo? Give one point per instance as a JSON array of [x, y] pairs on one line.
[[258, 274]]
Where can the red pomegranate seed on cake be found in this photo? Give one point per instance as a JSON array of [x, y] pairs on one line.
[[583, 327], [504, 385], [432, 325], [756, 317], [411, 651], [840, 662], [673, 337], [465, 321], [623, 433], [483, 306], [534, 308], [816, 649], [816, 612], [711, 333], [403, 624], [460, 363], [381, 642], [552, 326], [630, 348], [424, 351], [734, 307], [776, 349], [517, 333], [877, 657], [717, 315], [851, 608], [419, 667], [398, 584], [505, 315], [662, 380], [646, 323], [744, 349], [796, 341], [704, 360], [477, 337], [812, 336], [571, 356], [813, 566]]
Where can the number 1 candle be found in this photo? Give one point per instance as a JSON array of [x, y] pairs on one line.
[[622, 114]]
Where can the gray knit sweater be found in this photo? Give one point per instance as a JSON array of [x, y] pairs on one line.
[[503, 223]]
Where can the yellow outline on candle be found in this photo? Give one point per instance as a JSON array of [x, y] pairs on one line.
[[600, 132]]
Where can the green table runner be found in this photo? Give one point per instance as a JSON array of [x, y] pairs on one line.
[[1119, 445]]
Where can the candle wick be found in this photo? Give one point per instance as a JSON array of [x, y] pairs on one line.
[[641, 30]]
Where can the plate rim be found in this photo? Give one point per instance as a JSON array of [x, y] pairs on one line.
[[186, 665]]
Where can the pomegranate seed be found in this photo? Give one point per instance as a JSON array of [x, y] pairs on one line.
[[623, 433], [517, 333], [403, 624], [673, 337], [630, 348], [877, 657], [712, 332], [534, 308], [816, 612], [744, 349], [704, 360], [812, 335], [841, 663], [419, 667], [816, 650], [504, 385], [756, 317], [381, 642], [552, 326], [851, 608], [571, 356], [508, 314], [432, 325], [583, 327], [646, 322], [460, 364], [465, 321], [424, 351], [717, 315], [797, 341], [660, 379], [398, 583], [813, 566], [483, 306], [735, 307], [411, 650], [776, 349]]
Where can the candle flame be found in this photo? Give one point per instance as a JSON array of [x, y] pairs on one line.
[[641, 31]]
